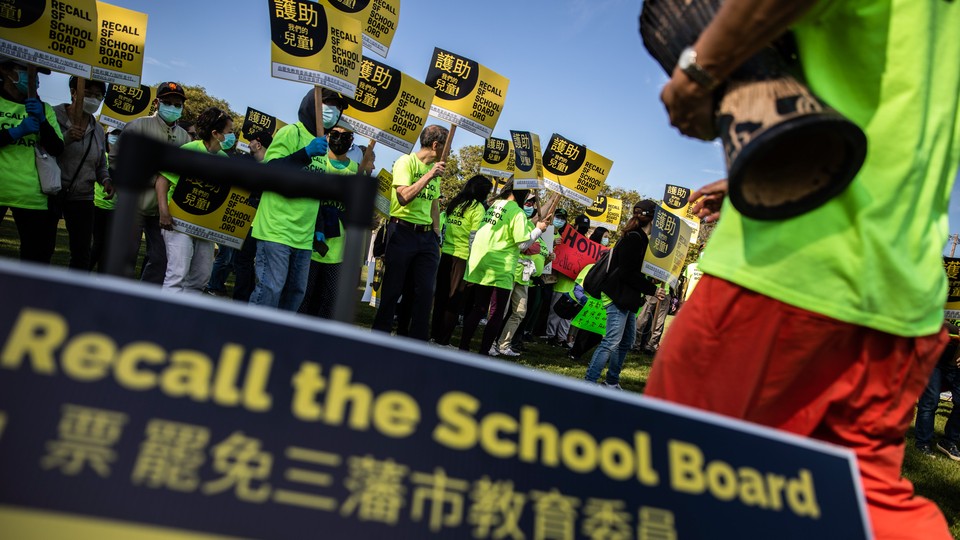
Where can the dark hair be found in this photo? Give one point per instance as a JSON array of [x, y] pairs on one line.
[[210, 120], [519, 195], [72, 83], [432, 134], [598, 233], [632, 225], [475, 190]]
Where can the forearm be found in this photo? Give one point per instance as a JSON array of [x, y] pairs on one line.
[[405, 194], [162, 187], [534, 235]]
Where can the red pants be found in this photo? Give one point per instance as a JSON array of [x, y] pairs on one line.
[[742, 354]]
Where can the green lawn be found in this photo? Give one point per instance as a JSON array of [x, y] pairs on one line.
[[935, 478]]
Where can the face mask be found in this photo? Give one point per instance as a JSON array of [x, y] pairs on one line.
[[528, 210], [604, 241], [339, 142], [21, 81], [228, 141], [169, 113], [112, 139], [90, 105], [557, 223], [331, 115]]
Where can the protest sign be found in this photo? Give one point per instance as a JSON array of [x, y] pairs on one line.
[[316, 44], [952, 268], [469, 95], [605, 212], [573, 170], [254, 122], [498, 158], [210, 211], [574, 252], [692, 275], [547, 237], [676, 199], [384, 192], [121, 104], [379, 19], [592, 318], [389, 107], [56, 34], [121, 36], [213, 418], [528, 160], [667, 250]]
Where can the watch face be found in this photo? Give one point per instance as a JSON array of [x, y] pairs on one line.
[[687, 58]]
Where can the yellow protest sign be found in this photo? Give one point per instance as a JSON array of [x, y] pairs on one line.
[[605, 212], [316, 44], [389, 107], [528, 160], [254, 122], [676, 199], [211, 211], [498, 158], [952, 267], [384, 186], [573, 170], [379, 19], [121, 36], [468, 94], [56, 34], [122, 104], [667, 250]]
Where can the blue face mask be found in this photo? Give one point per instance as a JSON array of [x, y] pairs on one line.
[[169, 113], [22, 82], [604, 241], [557, 223], [528, 210], [331, 115], [228, 141], [112, 139]]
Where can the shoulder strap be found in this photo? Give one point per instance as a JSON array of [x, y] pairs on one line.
[[84, 158]]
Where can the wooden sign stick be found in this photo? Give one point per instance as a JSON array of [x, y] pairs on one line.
[[318, 101], [367, 156], [446, 147]]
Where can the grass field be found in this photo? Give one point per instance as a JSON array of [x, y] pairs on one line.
[[936, 478]]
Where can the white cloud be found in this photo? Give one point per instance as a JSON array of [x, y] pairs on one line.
[[178, 63], [151, 61]]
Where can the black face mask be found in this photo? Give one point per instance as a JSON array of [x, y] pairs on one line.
[[339, 142]]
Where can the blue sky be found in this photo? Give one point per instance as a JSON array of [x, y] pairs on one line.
[[576, 67]]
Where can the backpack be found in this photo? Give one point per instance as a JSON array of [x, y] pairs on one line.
[[597, 276]]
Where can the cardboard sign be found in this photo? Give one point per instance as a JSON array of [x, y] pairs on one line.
[[573, 170], [212, 212], [574, 252], [676, 199], [592, 318], [313, 43], [528, 159], [468, 94], [547, 237], [605, 212], [120, 40], [379, 19], [667, 250], [254, 122], [121, 104], [389, 107], [56, 34], [952, 267], [384, 192], [232, 420], [692, 274], [498, 158]]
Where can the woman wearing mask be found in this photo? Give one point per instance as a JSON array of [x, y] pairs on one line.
[[24, 123], [529, 265], [83, 164], [506, 231], [464, 217], [103, 205], [586, 340], [558, 329], [190, 259]]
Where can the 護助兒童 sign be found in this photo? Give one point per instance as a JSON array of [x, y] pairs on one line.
[[212, 212], [528, 160], [468, 94], [952, 308], [56, 34], [574, 251], [676, 200], [121, 104], [211, 418], [254, 122], [667, 249], [573, 170], [379, 19], [605, 212], [389, 107], [384, 189], [313, 43], [498, 158], [121, 35]]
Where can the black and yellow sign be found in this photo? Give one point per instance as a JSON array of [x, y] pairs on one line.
[[528, 159], [121, 104], [254, 122], [468, 94], [379, 19], [498, 158], [389, 107], [384, 189], [121, 35], [667, 250], [211, 211], [206, 416], [676, 199], [57, 34], [605, 212], [573, 170], [952, 267], [316, 44]]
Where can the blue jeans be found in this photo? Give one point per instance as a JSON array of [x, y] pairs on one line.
[[618, 340], [947, 371], [281, 275], [222, 266]]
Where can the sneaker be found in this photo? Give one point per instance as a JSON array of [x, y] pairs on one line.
[[946, 396], [493, 351], [483, 321], [950, 449], [509, 352], [614, 386], [925, 450]]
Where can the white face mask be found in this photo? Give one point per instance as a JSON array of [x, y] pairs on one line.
[[90, 105]]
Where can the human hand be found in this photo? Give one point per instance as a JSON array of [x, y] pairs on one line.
[[690, 106], [75, 133], [319, 236], [661, 294], [27, 126], [317, 147], [166, 221], [437, 170], [542, 225], [108, 189], [34, 107], [708, 200]]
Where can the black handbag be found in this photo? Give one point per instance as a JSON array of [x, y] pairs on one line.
[[567, 308]]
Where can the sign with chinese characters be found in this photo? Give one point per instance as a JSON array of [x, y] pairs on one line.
[[315, 44], [497, 159], [952, 267], [528, 160], [389, 107], [574, 251], [667, 249], [56, 34], [121, 36], [254, 122], [384, 192], [605, 212], [676, 199], [592, 318], [122, 104], [219, 419], [468, 94], [573, 170], [379, 19], [211, 211]]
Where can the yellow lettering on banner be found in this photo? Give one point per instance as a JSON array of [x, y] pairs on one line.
[[87, 357], [127, 372], [189, 375], [457, 429], [36, 334], [493, 425]]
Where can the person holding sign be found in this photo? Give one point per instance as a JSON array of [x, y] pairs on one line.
[[413, 233], [189, 259], [529, 265], [24, 123], [828, 324]]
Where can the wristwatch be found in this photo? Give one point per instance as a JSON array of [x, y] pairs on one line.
[[688, 64]]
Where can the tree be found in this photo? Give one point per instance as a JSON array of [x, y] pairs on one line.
[[461, 166]]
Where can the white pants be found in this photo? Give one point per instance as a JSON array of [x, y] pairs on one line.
[[189, 262], [518, 307], [557, 327]]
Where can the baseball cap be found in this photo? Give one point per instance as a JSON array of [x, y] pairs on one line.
[[165, 89], [560, 213], [330, 97], [263, 136], [581, 221], [343, 124], [646, 207], [4, 60]]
